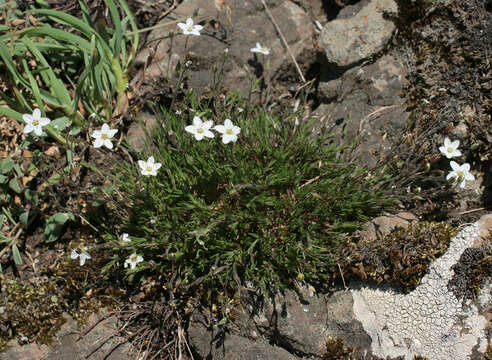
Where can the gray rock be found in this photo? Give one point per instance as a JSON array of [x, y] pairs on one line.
[[302, 321], [236, 26], [101, 342], [383, 225], [349, 41], [136, 134], [213, 345], [364, 107]]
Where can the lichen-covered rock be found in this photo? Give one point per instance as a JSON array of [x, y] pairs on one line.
[[429, 321], [347, 42]]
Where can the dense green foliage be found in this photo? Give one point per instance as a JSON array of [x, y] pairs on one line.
[[271, 207]]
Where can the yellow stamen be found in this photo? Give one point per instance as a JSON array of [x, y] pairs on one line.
[[229, 131], [200, 131]]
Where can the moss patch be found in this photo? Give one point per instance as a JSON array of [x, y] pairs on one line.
[[401, 258]]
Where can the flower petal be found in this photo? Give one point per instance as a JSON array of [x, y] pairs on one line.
[[98, 143], [182, 26], [455, 166], [27, 118], [197, 121], [226, 139], [207, 125], [28, 128], [38, 130], [191, 129], [452, 174], [189, 22], [112, 132], [220, 128], [465, 167], [150, 161], [142, 164], [44, 121], [199, 136], [469, 177], [108, 144], [157, 166], [74, 254], [36, 114], [209, 134], [228, 123], [96, 134], [455, 144]]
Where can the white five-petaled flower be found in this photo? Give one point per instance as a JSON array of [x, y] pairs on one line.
[[35, 122], [189, 28], [133, 260], [149, 167], [125, 238], [461, 173], [262, 49], [104, 136], [80, 253], [229, 131], [450, 149], [200, 128]]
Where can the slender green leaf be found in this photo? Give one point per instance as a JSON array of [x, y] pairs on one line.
[[118, 33], [6, 56], [16, 255], [34, 86], [14, 185], [6, 165], [23, 218], [58, 87], [65, 36]]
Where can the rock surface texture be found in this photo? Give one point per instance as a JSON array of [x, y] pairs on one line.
[[236, 26], [364, 106], [430, 321], [101, 342], [347, 42]]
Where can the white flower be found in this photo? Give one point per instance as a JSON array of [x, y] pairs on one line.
[[125, 238], [262, 49], [35, 122], [2, 309], [189, 28], [104, 136], [149, 167], [133, 260], [200, 128], [93, 115], [461, 173], [80, 253], [229, 131], [450, 149]]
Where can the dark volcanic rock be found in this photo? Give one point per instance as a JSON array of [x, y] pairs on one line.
[[236, 26]]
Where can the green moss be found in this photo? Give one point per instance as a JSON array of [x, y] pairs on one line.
[[36, 311], [401, 258], [336, 350], [488, 353], [33, 311]]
